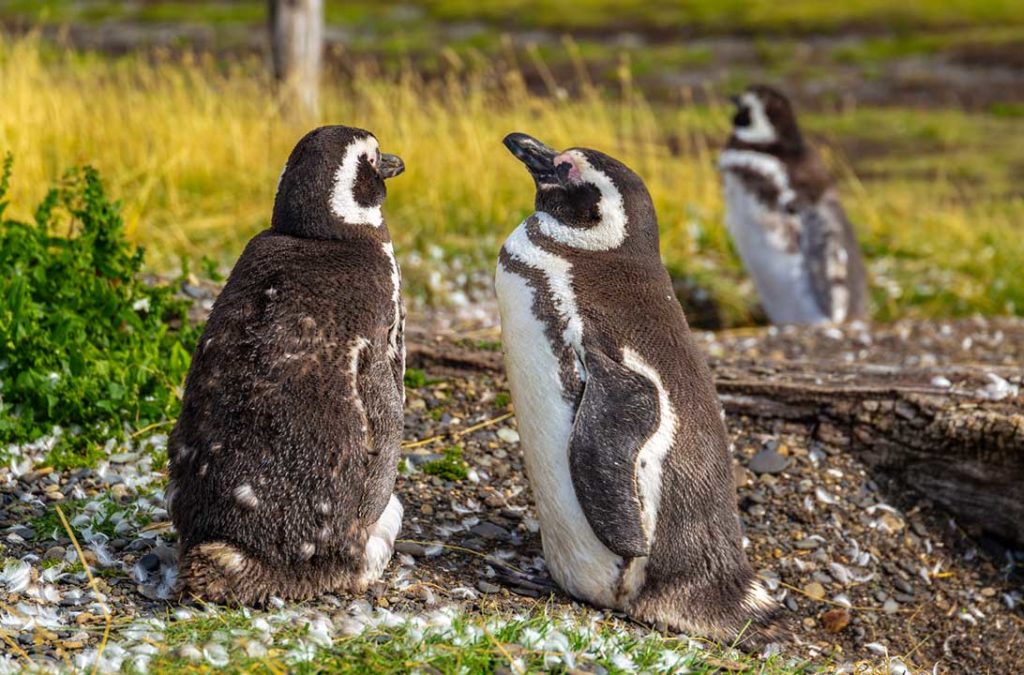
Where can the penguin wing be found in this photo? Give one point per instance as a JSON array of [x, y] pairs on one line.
[[380, 401], [825, 240], [617, 414], [396, 352]]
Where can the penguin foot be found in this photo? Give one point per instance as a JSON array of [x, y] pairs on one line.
[[219, 572], [751, 622], [223, 573]]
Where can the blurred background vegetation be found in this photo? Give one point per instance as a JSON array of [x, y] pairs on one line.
[[918, 108]]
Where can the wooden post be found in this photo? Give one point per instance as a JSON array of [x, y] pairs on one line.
[[296, 40]]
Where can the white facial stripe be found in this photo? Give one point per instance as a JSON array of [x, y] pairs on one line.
[[558, 272], [763, 164], [343, 202], [760, 129], [611, 232], [654, 451]]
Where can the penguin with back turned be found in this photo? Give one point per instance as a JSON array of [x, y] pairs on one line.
[[785, 218], [283, 461], [622, 433]]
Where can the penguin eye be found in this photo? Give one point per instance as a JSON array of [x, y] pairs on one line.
[[374, 159]]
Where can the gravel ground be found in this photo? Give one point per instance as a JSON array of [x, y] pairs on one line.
[[868, 571]]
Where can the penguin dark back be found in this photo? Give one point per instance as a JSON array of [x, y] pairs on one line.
[[283, 461]]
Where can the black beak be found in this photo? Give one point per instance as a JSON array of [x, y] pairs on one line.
[[735, 100], [391, 165], [538, 158]]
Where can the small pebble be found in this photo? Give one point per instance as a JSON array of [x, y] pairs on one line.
[[411, 548], [815, 590], [487, 587], [768, 461], [835, 620]]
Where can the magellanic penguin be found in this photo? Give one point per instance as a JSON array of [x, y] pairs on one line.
[[623, 438], [784, 216], [283, 462]]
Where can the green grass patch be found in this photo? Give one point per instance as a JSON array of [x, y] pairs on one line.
[[1008, 109], [450, 467], [415, 378], [729, 16], [444, 641]]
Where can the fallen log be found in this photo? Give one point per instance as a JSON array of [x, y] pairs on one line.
[[954, 434]]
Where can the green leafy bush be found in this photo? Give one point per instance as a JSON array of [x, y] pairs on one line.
[[85, 343]]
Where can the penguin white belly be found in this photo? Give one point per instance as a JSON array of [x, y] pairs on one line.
[[576, 558], [780, 275]]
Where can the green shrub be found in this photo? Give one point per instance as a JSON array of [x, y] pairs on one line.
[[85, 343]]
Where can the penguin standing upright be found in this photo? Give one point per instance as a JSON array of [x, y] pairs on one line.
[[785, 218], [622, 434], [283, 462]]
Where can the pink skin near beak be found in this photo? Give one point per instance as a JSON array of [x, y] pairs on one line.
[[573, 175]]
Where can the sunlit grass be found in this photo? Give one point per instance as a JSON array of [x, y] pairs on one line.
[[695, 15], [194, 148]]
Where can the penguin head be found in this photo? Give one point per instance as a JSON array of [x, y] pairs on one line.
[[764, 120], [334, 179], [596, 202]]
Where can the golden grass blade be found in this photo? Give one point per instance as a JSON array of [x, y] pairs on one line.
[[92, 584]]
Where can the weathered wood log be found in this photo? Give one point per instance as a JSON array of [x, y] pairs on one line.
[[296, 45], [961, 445], [447, 357]]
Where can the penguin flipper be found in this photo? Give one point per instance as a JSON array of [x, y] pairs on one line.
[[617, 414], [832, 256], [380, 402]]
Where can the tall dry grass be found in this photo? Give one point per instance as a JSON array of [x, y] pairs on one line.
[[194, 148]]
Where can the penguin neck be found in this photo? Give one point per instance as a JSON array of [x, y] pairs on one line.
[[788, 147], [327, 226], [540, 231]]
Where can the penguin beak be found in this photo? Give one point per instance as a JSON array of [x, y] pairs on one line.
[[735, 100], [391, 165], [538, 158]]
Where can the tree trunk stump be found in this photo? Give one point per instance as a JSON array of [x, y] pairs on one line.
[[296, 40]]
